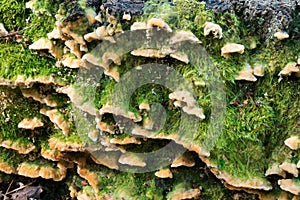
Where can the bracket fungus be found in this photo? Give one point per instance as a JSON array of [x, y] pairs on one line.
[[7, 168], [281, 35], [3, 31], [57, 118], [246, 74], [74, 48], [65, 146], [293, 142], [21, 148], [290, 68], [290, 185], [155, 22], [164, 173], [275, 170], [258, 69], [34, 171], [144, 106], [183, 160], [108, 159], [189, 194], [46, 44], [183, 96], [290, 168], [90, 176], [149, 53], [35, 95], [30, 123], [71, 62], [120, 112], [189, 103], [77, 99], [232, 48], [132, 160], [126, 17], [183, 36], [213, 28], [180, 56], [138, 26], [51, 154], [125, 141]]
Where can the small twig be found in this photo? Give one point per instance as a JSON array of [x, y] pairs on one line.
[[10, 34], [20, 188], [9, 186]]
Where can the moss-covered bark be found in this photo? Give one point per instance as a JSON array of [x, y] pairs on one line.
[[259, 116]]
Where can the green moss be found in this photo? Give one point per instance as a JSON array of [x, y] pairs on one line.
[[11, 157], [22, 61], [39, 26], [13, 14]]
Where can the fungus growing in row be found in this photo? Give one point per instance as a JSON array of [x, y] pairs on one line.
[[90, 15], [164, 173], [30, 123], [55, 34], [255, 183], [190, 106], [198, 112], [24, 82], [213, 28], [103, 126], [183, 96], [232, 48]]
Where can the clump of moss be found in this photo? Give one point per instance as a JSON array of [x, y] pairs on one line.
[[14, 14]]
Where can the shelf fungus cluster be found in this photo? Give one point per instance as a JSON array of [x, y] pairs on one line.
[[123, 112]]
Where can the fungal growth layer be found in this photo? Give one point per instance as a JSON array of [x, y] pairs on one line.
[[153, 99]]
